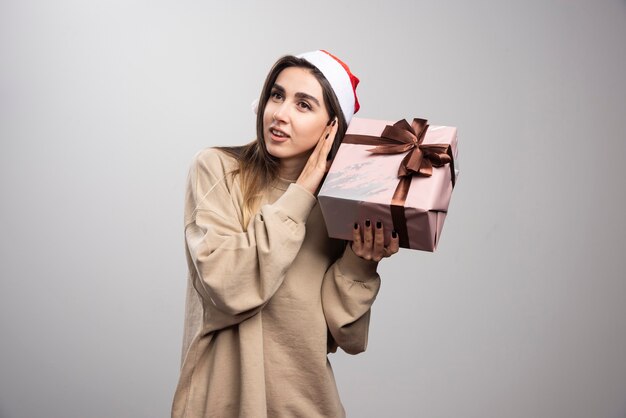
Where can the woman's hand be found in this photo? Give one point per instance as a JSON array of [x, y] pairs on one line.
[[317, 164], [370, 245]]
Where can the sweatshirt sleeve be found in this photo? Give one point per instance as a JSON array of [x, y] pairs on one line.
[[348, 292], [236, 271]]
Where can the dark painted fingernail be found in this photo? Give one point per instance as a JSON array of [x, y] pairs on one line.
[[326, 137], [356, 225], [329, 156], [379, 224], [394, 234], [329, 122], [334, 121], [367, 223]]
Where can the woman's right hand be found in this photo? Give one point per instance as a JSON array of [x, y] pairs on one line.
[[317, 164]]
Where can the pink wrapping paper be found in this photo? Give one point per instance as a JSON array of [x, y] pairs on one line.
[[360, 186]]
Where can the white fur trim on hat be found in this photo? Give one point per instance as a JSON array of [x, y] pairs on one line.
[[338, 78]]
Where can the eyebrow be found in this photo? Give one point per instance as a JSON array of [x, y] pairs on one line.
[[299, 95]]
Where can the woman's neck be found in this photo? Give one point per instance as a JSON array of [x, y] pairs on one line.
[[290, 168]]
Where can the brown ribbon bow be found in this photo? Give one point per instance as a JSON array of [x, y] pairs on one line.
[[402, 137], [420, 160]]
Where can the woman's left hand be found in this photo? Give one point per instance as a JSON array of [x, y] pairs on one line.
[[370, 245]]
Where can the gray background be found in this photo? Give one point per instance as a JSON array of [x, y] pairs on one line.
[[520, 313]]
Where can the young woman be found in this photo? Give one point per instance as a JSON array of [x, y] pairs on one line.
[[270, 295]]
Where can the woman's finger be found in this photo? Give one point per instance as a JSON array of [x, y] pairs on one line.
[[367, 239], [320, 144], [327, 143], [394, 244], [356, 239], [378, 251]]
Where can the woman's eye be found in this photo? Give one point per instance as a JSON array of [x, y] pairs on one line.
[[304, 105], [276, 95]]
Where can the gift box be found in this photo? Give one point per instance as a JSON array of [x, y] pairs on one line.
[[399, 173]]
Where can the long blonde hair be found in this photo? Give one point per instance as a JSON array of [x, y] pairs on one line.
[[257, 168]]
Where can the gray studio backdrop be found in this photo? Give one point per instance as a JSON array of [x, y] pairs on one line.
[[520, 313]]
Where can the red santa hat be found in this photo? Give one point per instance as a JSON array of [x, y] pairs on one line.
[[340, 78]]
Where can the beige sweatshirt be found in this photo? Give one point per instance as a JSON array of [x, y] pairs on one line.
[[265, 306]]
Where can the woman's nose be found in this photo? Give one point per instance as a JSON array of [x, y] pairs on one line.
[[281, 113]]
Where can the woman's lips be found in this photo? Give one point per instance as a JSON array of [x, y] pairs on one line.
[[278, 135]]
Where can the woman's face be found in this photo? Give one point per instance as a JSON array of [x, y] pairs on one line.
[[295, 115]]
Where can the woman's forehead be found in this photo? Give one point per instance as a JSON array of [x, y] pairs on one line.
[[299, 80]]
